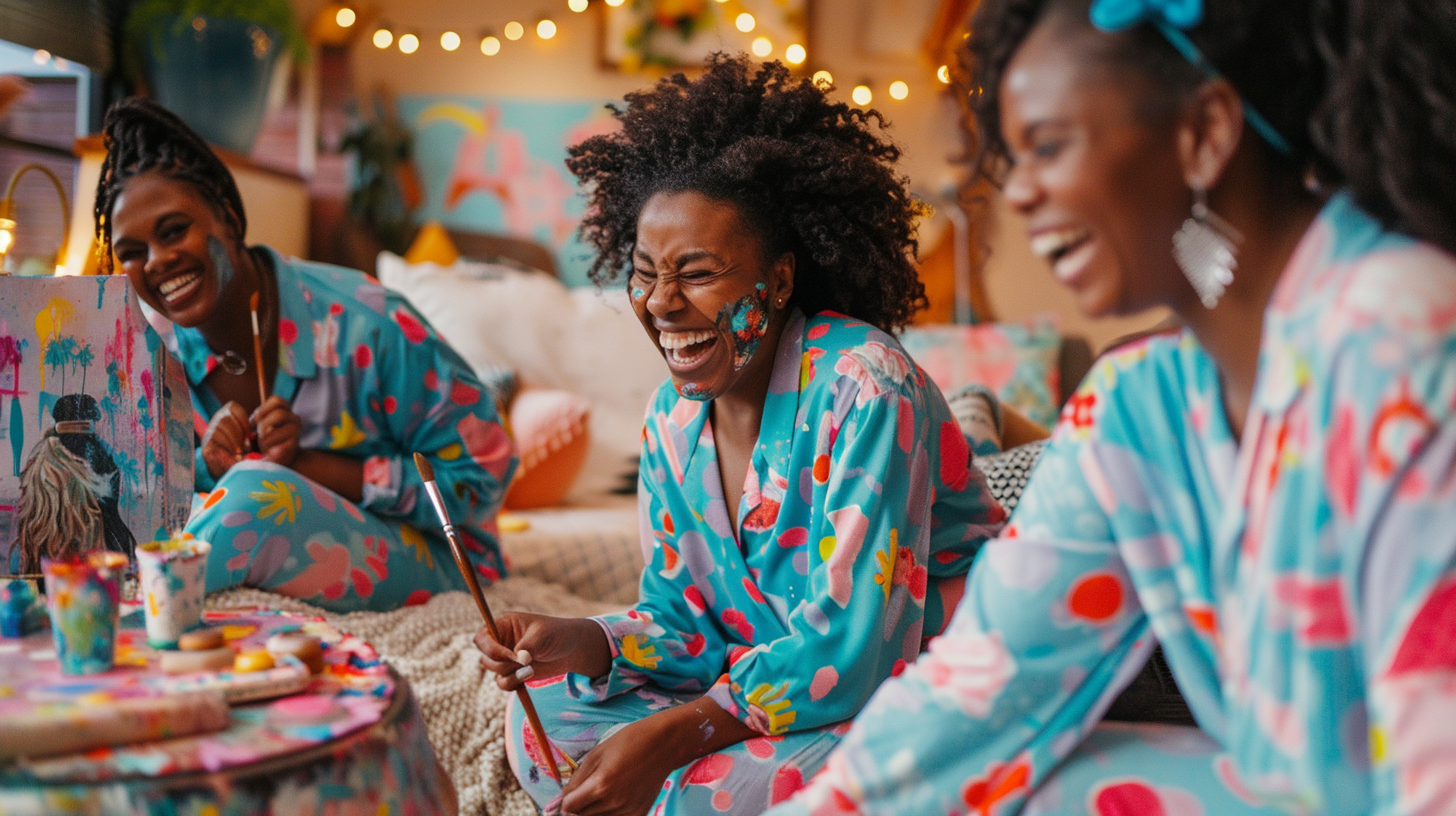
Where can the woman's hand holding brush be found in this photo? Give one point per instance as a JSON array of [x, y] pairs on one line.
[[540, 646]]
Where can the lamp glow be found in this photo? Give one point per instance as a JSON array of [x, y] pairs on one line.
[[449, 41], [546, 29], [899, 90], [514, 31], [345, 17], [745, 22], [823, 79], [615, 3], [862, 95], [761, 47], [795, 54], [383, 38], [943, 74], [7, 213], [409, 43], [7, 236], [490, 45], [41, 56], [577, 6]]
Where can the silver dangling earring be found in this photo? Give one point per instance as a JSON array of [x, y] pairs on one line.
[[1206, 248]]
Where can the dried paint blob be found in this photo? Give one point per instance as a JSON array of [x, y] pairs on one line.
[[745, 321]]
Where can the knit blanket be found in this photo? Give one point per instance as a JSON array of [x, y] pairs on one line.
[[431, 647]]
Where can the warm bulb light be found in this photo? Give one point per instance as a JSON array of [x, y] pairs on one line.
[[823, 79], [7, 235], [514, 31], [345, 17], [409, 43], [383, 37], [545, 29], [490, 45], [761, 47], [943, 74], [615, 3], [744, 22], [41, 56], [899, 90], [861, 95], [796, 54], [576, 5], [449, 41]]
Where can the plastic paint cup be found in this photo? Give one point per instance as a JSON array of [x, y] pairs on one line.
[[173, 582], [84, 599], [17, 599]]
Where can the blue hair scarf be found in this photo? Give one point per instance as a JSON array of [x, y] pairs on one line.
[[1172, 18]]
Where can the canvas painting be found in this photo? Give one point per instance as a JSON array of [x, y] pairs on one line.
[[498, 165], [80, 368]]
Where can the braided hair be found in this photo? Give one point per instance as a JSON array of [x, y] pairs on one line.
[[808, 175], [141, 136], [1363, 91]]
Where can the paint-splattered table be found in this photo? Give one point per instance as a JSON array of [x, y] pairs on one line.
[[351, 742]]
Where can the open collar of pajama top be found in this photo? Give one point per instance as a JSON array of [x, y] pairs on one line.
[[370, 379], [1302, 579], [858, 497]]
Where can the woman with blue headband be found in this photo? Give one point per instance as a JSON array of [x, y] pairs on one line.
[[1269, 493]]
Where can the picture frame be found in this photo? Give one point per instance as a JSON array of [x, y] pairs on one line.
[[662, 35]]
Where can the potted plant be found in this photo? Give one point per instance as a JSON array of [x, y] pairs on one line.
[[212, 61]]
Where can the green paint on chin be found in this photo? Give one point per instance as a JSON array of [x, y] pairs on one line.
[[695, 391]]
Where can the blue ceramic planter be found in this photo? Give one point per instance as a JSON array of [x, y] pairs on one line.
[[214, 72]]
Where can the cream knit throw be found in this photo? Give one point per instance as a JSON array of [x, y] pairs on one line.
[[431, 646]]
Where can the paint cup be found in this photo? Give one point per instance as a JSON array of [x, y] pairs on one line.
[[18, 600], [84, 599], [174, 580]]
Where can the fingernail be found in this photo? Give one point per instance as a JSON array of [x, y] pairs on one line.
[[523, 657], [525, 673]]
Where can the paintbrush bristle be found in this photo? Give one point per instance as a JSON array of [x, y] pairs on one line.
[[253, 302], [423, 466]]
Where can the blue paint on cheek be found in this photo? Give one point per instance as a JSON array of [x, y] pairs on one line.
[[222, 265], [638, 293]]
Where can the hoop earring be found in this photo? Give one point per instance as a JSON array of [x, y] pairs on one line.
[[1206, 248]]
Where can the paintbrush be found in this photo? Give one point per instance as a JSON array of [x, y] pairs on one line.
[[258, 350], [428, 474]]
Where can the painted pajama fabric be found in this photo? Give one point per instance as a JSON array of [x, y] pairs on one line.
[[369, 379], [859, 513], [1302, 582]]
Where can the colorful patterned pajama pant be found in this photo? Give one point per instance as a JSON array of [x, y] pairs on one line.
[[742, 779], [1144, 770], [272, 529]]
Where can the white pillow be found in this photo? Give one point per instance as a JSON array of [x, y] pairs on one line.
[[581, 340]]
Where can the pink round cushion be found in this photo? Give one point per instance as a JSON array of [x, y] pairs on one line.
[[551, 432]]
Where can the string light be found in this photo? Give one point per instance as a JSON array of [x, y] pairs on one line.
[[409, 43], [744, 21], [615, 3], [862, 95], [761, 47], [490, 45], [449, 41], [383, 37], [545, 29], [899, 90], [345, 17], [943, 74], [514, 31], [823, 79], [577, 6], [795, 54]]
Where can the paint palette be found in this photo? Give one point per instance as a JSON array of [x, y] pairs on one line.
[[274, 711]]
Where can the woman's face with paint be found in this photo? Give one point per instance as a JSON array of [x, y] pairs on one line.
[[705, 292], [174, 247]]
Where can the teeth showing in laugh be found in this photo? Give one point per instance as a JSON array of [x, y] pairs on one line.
[[168, 288], [680, 345]]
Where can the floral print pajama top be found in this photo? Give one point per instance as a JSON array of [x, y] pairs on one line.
[[1301, 579], [370, 379], [858, 499]]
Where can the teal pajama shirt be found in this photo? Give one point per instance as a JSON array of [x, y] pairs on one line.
[[1301, 579], [370, 379], [859, 513]]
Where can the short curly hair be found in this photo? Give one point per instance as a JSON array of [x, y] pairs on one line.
[[809, 175]]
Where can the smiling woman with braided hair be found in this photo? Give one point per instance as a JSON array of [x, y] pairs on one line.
[[311, 492]]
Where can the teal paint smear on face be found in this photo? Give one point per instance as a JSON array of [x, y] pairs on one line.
[[745, 320], [222, 265]]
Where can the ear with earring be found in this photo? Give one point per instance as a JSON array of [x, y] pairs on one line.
[[1206, 248]]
